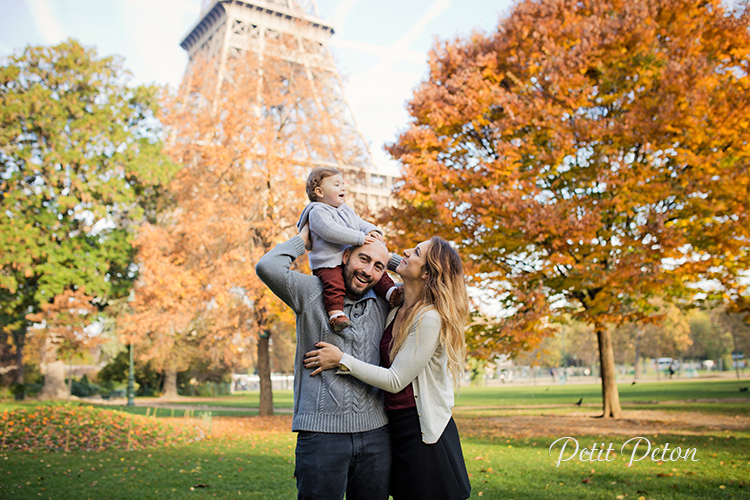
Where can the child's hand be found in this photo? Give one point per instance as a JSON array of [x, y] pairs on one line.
[[376, 235], [370, 239]]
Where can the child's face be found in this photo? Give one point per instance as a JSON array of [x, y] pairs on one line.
[[331, 191]]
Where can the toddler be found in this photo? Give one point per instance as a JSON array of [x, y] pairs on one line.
[[333, 227]]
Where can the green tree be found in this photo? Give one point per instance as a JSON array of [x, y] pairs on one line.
[[733, 325], [80, 156], [586, 156], [664, 332], [708, 340]]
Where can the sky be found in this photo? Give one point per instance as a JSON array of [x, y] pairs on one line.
[[380, 46]]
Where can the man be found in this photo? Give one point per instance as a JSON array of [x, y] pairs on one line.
[[343, 445]]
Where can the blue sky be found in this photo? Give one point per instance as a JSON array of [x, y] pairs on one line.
[[380, 46]]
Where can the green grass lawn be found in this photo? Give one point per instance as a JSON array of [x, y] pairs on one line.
[[567, 395], [257, 463], [257, 466], [667, 395], [525, 470], [262, 465]]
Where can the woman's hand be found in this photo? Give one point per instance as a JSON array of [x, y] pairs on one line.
[[326, 357]]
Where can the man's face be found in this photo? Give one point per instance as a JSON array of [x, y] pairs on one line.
[[363, 268]]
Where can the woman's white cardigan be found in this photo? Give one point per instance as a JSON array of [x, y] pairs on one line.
[[423, 362]]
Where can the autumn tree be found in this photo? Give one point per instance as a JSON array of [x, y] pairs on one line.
[[246, 146], [165, 308], [78, 157], [586, 156]]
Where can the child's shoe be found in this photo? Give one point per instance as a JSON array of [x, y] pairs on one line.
[[339, 323], [397, 296]]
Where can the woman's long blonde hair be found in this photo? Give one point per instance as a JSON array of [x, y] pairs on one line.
[[445, 291]]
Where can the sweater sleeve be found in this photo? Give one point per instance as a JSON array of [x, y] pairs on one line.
[[394, 262], [411, 360], [274, 269], [367, 227], [326, 227]]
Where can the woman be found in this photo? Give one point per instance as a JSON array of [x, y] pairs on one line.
[[422, 359]]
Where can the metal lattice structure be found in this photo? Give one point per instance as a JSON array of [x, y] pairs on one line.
[[228, 28]]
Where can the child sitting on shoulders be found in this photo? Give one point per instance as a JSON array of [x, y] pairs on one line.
[[333, 227]]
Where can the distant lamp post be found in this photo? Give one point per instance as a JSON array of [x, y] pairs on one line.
[[131, 377]]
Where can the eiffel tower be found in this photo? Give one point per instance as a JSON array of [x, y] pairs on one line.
[[227, 28]]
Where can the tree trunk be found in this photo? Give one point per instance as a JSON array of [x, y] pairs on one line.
[[658, 370], [70, 376], [54, 373], [19, 339], [170, 384], [610, 395], [637, 363], [264, 372], [735, 361]]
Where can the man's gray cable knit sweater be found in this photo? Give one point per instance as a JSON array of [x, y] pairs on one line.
[[327, 402]]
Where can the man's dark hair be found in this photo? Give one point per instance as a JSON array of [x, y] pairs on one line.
[[316, 177]]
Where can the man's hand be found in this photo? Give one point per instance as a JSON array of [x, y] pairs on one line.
[[304, 233]]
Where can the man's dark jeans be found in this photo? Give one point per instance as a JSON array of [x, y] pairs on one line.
[[329, 465]]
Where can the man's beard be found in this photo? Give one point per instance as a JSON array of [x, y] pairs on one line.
[[349, 283]]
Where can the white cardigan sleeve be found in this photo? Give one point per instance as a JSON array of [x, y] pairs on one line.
[[422, 341]]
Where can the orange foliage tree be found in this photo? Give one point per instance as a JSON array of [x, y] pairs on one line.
[[164, 310], [62, 334], [586, 156], [246, 146]]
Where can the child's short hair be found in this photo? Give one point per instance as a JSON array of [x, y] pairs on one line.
[[316, 177]]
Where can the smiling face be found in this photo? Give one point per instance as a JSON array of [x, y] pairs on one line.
[[331, 191], [363, 267], [413, 264]]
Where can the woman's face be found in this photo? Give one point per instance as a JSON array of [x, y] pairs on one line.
[[412, 267]]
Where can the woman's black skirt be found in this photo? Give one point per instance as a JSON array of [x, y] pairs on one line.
[[430, 471]]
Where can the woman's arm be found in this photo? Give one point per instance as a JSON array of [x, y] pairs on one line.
[[410, 361]]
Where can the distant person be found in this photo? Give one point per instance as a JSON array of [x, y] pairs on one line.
[[422, 359], [343, 445], [333, 227]]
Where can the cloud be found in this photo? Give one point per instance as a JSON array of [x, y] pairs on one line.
[[435, 10], [49, 26], [382, 71], [381, 92]]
